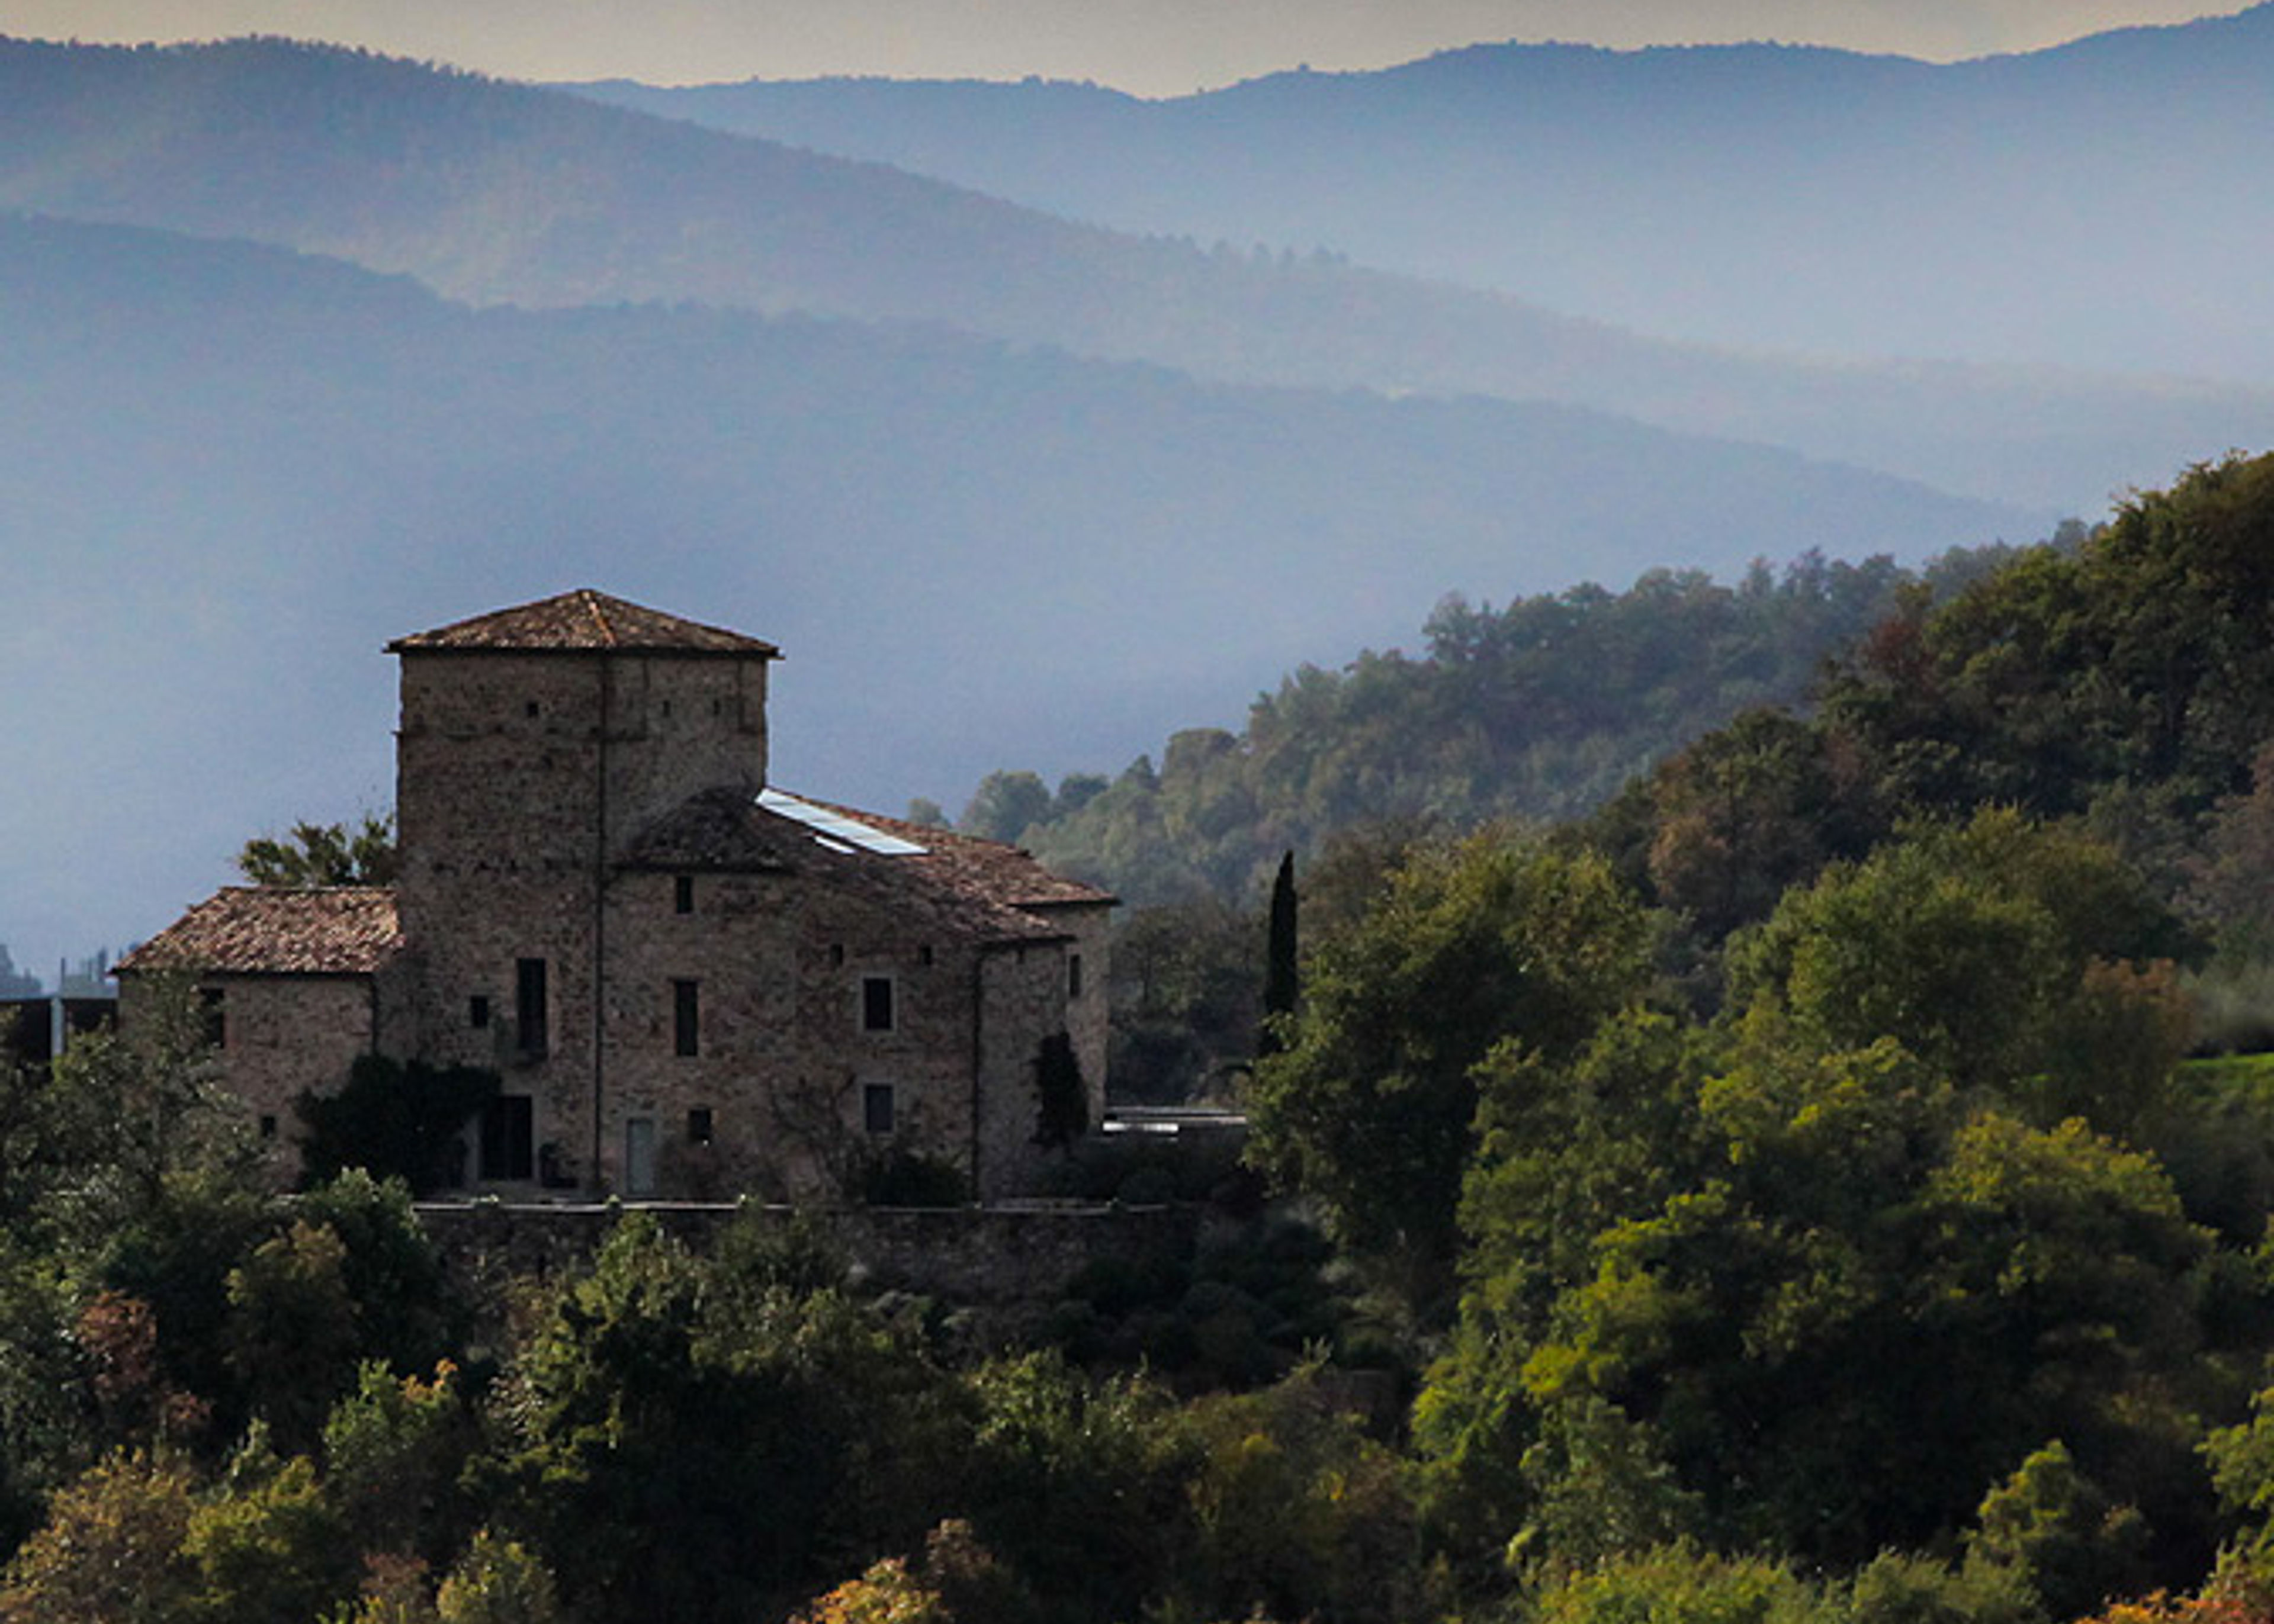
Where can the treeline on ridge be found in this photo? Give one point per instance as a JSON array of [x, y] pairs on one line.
[[1538, 711]]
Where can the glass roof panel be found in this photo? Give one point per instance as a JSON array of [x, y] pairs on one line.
[[835, 830]]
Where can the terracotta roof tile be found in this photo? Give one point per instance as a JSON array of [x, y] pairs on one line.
[[717, 830], [1008, 874], [277, 931], [957, 884], [583, 621]]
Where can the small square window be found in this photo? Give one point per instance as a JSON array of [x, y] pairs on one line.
[[877, 1011], [698, 1125], [876, 1107], [683, 894], [478, 1011], [530, 709]]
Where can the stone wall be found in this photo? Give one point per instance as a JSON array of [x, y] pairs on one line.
[[1023, 1000], [1002, 1268], [281, 1034], [499, 768], [1088, 1015]]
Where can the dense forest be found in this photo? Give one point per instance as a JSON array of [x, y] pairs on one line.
[[1778, 1195], [1535, 711]]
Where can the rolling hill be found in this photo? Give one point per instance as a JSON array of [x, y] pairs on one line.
[[499, 193], [2100, 204], [229, 472]]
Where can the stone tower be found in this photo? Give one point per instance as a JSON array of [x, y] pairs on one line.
[[534, 743]]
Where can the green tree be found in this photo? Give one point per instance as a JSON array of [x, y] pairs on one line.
[[694, 1442], [1371, 1110], [1986, 949], [498, 1581], [292, 1330], [2059, 1530], [1078, 1485], [1005, 806], [266, 1547], [394, 1452], [324, 854], [111, 1549]]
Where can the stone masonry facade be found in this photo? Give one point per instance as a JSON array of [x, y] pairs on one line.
[[690, 983]]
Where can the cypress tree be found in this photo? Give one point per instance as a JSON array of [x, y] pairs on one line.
[[1281, 977]]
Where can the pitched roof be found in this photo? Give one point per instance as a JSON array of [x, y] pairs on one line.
[[277, 931], [581, 622], [715, 831], [1009, 874], [958, 884]]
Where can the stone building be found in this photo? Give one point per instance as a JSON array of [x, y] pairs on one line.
[[691, 982]]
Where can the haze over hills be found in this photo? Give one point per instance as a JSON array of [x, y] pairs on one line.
[[2101, 205], [1009, 489], [495, 192], [232, 472]]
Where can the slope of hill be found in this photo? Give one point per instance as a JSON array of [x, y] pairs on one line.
[[2103, 204], [232, 472], [504, 194]]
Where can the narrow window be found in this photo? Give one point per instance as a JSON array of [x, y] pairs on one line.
[[836, 955], [215, 1007], [923, 955], [698, 1125], [683, 894], [686, 1019], [478, 1011], [876, 1107], [1074, 975], [876, 1003], [267, 1125], [509, 1138], [531, 1023]]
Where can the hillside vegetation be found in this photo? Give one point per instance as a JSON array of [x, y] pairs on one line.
[[1896, 1269], [1538, 711]]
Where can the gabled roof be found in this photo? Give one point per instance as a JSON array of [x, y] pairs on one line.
[[1008, 874], [715, 831], [955, 883], [277, 931], [583, 622]]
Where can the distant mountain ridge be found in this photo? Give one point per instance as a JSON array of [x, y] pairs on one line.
[[503, 193], [2103, 204], [231, 472]]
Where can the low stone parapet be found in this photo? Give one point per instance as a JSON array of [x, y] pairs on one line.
[[1001, 1266]]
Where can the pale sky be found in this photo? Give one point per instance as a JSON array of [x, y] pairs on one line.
[[1151, 46]]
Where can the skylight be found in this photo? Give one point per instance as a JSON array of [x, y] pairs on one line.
[[836, 831]]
